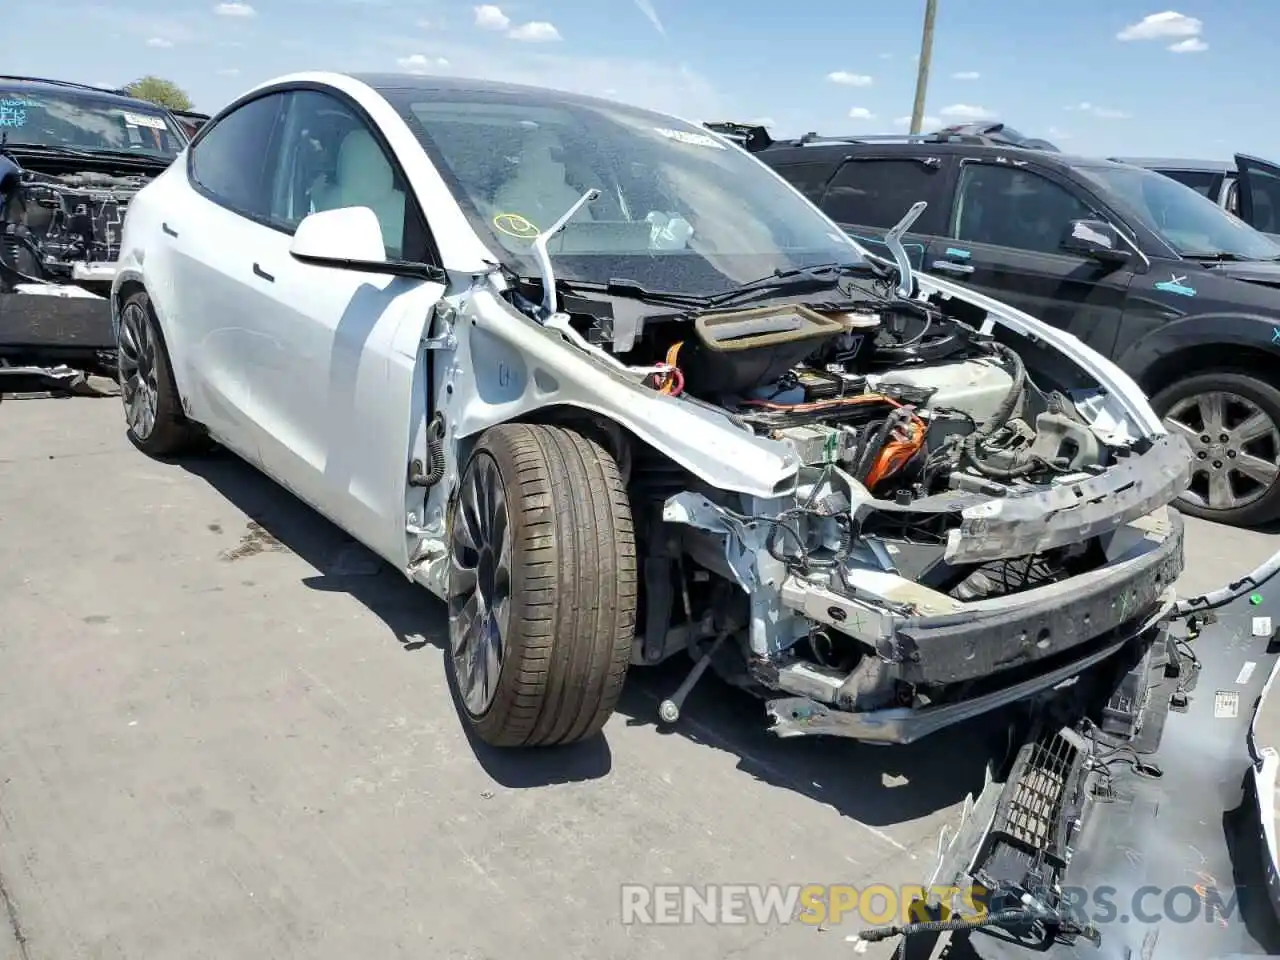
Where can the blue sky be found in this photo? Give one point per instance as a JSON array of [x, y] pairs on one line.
[[1114, 77]]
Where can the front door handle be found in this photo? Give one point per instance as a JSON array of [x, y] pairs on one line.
[[259, 272], [950, 266], [168, 229]]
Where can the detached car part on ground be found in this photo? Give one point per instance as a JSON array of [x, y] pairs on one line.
[[619, 393], [1155, 840], [71, 159]]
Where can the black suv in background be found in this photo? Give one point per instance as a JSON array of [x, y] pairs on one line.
[[1183, 296], [1245, 186]]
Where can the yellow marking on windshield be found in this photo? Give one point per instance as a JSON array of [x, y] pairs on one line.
[[514, 225]]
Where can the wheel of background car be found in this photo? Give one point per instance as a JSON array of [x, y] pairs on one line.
[[152, 410], [542, 586], [1232, 422]]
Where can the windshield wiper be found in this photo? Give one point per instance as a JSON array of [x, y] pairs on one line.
[[60, 150], [1222, 256], [814, 278]]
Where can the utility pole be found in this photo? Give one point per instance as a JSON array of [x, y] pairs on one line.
[[922, 75]]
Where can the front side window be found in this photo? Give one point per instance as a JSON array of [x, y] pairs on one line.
[[35, 117], [679, 210], [328, 159], [810, 177], [1190, 224], [1010, 207], [878, 192], [231, 160]]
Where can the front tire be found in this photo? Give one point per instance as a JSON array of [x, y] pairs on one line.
[[542, 587], [152, 409], [1231, 420]]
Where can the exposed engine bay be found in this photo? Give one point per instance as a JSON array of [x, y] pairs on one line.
[[60, 232], [56, 225], [962, 532]]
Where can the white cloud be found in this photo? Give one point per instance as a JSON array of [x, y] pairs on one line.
[[489, 17], [926, 123], [646, 7], [420, 63], [1102, 113], [538, 31], [849, 79], [861, 113], [966, 75], [235, 9], [160, 42], [1055, 133], [229, 72], [1162, 26], [964, 111], [1189, 45], [886, 56]]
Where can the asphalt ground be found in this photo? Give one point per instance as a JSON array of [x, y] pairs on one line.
[[227, 733]]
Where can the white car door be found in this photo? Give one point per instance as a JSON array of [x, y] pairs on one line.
[[215, 232], [338, 350]]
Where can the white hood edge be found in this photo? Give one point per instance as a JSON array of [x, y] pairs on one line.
[[1121, 387]]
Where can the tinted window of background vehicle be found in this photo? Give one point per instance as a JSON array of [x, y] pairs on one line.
[[1265, 190], [1203, 182], [877, 193], [230, 160], [809, 178], [1014, 208]]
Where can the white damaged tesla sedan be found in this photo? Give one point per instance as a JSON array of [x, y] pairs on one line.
[[616, 392]]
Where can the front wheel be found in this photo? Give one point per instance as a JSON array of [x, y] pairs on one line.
[[1232, 423], [542, 586]]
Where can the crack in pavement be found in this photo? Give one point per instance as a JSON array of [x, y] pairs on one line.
[[15, 925]]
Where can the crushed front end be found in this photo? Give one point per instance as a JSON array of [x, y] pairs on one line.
[[961, 536]]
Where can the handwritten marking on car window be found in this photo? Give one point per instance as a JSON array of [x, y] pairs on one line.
[[514, 225], [13, 112]]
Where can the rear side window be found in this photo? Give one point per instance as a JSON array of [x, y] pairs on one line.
[[877, 192], [230, 161], [809, 177], [1204, 182]]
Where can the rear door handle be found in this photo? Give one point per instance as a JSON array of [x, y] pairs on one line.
[[259, 272], [950, 266], [168, 229]]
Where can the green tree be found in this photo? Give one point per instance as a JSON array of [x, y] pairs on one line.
[[159, 90]]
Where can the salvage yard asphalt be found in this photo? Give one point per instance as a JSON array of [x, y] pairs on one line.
[[227, 733]]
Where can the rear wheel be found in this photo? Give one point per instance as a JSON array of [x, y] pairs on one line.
[[542, 586], [1232, 423], [152, 409]]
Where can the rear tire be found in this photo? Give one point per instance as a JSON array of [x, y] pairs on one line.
[[1233, 458], [153, 414], [542, 587]]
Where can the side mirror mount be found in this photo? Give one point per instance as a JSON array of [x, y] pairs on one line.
[[350, 238], [1097, 240]]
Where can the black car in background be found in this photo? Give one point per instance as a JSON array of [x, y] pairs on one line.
[[1246, 186], [72, 156], [1183, 296]]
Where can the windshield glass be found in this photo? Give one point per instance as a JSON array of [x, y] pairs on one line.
[[679, 211], [38, 117], [1190, 223]]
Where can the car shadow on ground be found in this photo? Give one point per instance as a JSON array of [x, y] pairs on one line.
[[878, 786]]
